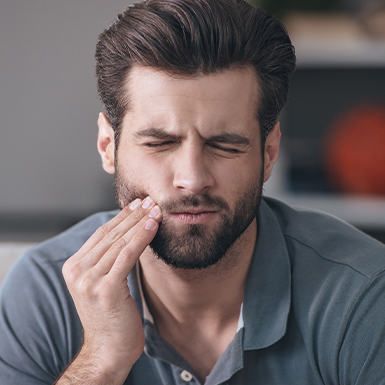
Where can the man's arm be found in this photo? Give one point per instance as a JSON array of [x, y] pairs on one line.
[[96, 277]]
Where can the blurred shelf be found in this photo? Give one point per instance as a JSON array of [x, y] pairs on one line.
[[362, 212]]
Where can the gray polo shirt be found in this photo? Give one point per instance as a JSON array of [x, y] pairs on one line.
[[313, 310]]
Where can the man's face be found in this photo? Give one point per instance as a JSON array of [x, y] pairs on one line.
[[193, 145]]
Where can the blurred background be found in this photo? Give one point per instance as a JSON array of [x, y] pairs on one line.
[[333, 146]]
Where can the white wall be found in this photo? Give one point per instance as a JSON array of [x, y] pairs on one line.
[[49, 106]]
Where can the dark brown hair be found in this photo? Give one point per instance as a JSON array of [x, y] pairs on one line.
[[192, 37]]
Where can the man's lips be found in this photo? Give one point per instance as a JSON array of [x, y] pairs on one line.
[[192, 216]]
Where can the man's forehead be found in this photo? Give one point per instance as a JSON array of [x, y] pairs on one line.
[[150, 90]]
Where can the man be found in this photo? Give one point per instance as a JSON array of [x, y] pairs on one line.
[[224, 287]]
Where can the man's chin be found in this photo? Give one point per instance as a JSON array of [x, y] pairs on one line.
[[189, 246], [186, 261]]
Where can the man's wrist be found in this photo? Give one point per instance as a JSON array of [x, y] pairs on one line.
[[89, 369]]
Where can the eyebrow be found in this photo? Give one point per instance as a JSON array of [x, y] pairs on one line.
[[228, 138], [225, 138], [155, 133]]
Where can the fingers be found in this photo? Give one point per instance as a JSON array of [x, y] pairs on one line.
[[127, 257], [102, 231], [140, 219], [124, 252]]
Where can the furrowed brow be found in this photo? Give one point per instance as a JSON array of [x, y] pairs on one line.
[[155, 133], [230, 139]]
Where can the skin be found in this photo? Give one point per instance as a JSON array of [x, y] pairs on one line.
[[191, 152]]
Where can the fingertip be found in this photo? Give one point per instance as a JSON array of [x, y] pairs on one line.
[[155, 212], [147, 203], [151, 224], [135, 204]]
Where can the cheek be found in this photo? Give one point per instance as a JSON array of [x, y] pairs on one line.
[[251, 176], [150, 175], [237, 178], [244, 171]]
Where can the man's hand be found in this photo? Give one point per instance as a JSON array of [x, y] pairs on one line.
[[96, 277]]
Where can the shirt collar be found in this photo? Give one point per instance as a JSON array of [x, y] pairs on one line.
[[267, 298], [147, 316]]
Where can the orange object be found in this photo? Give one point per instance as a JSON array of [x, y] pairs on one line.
[[355, 150]]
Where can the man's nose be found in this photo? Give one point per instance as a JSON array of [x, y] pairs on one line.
[[192, 172]]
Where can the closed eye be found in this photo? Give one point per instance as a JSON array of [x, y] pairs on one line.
[[159, 144], [225, 149]]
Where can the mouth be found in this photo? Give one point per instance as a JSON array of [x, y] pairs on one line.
[[194, 216]]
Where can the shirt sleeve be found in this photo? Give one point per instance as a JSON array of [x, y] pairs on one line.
[[362, 354], [39, 328]]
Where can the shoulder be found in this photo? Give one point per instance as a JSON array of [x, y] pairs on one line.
[[310, 232], [337, 283], [40, 267], [70, 241], [48, 257], [39, 327]]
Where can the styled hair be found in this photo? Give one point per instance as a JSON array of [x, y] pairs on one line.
[[190, 38]]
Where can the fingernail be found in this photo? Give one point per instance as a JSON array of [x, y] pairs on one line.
[[150, 225], [134, 204], [147, 203], [154, 212]]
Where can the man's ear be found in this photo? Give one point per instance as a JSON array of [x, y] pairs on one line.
[[271, 150], [106, 144]]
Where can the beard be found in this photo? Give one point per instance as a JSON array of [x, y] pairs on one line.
[[198, 246]]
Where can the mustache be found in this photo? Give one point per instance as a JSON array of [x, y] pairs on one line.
[[125, 194]]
